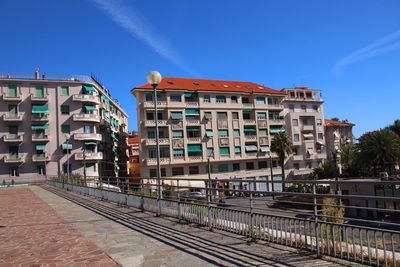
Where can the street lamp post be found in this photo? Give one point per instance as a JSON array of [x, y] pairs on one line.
[[67, 137], [154, 79], [272, 175], [337, 169]]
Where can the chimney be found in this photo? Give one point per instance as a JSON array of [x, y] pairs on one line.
[[37, 74]]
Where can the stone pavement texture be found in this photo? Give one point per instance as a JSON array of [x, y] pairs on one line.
[[33, 234], [135, 238]]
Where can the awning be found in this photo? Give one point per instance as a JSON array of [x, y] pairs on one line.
[[251, 148], [67, 146], [90, 143], [177, 152], [237, 149], [251, 130], [209, 133], [277, 130], [193, 130], [177, 134], [190, 94], [308, 136], [105, 99], [90, 108], [176, 115], [40, 108], [194, 148], [310, 151], [88, 88], [161, 146], [40, 127], [192, 111], [264, 149], [41, 147]]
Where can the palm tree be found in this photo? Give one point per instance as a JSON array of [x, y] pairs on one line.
[[282, 146]]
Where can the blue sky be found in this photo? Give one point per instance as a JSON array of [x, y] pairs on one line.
[[349, 49]]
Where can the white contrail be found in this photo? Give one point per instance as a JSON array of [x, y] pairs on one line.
[[138, 26], [383, 45]]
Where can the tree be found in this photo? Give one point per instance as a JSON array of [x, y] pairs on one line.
[[395, 127], [282, 146]]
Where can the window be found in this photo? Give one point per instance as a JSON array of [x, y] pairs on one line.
[[176, 115], [291, 108], [177, 171], [235, 115], [150, 116], [319, 122], [151, 134], [296, 166], [223, 133], [249, 165], [236, 166], [41, 170], [315, 107], [39, 91], [221, 99], [222, 115], [153, 173], [209, 133], [178, 153], [245, 100], [193, 132], [195, 150], [207, 115], [177, 134], [260, 100], [87, 128], [149, 97], [274, 164], [65, 128], [206, 99], [304, 108], [320, 136], [261, 115], [246, 116], [295, 150], [175, 98], [236, 133], [263, 132], [234, 99], [13, 171], [67, 148], [295, 122], [90, 167], [64, 91], [210, 152], [211, 168], [65, 109], [12, 91], [224, 151], [12, 110], [238, 150], [13, 130], [223, 168], [296, 138], [193, 169], [67, 168], [262, 165]]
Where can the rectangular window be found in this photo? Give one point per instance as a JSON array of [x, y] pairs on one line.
[[210, 152], [90, 167], [12, 110], [206, 99], [261, 115], [296, 138], [222, 115], [65, 109], [236, 166], [177, 134], [238, 150], [320, 136], [260, 100], [223, 168], [175, 98], [13, 171], [178, 153], [207, 115], [64, 91], [263, 132], [236, 133], [295, 122], [234, 99], [249, 165], [150, 116], [246, 115], [176, 115], [87, 128], [221, 99], [151, 134], [67, 168], [319, 122], [304, 108], [235, 115], [209, 133], [223, 133], [149, 97], [65, 128], [13, 130], [177, 171], [245, 100], [39, 92], [224, 151], [195, 150], [12, 91], [315, 107], [41, 170], [291, 108], [262, 165], [193, 169]]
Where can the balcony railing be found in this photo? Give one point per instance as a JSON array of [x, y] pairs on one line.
[[152, 123], [308, 127], [150, 104], [275, 106], [13, 158], [40, 117], [40, 158], [153, 161], [192, 104], [161, 141], [192, 121], [87, 136], [250, 137], [194, 139], [249, 122], [86, 98], [276, 122], [13, 117], [13, 138], [16, 97], [89, 156], [86, 117], [35, 98], [40, 137]]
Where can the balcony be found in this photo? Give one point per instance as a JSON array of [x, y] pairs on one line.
[[276, 122], [249, 122], [89, 156], [264, 140], [192, 104], [152, 141], [13, 159], [37, 117], [153, 161], [40, 138], [40, 158], [13, 117], [262, 124], [87, 136], [176, 125], [150, 104], [192, 121], [308, 127], [152, 123], [12, 98], [43, 98], [86, 98], [275, 106], [195, 158], [13, 138], [194, 139], [248, 105], [250, 137], [86, 117], [178, 143]]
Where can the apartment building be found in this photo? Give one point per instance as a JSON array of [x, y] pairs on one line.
[[304, 117], [337, 134], [134, 162], [51, 126], [229, 123]]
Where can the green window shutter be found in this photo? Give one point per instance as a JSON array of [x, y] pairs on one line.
[[195, 130], [209, 133], [64, 90], [40, 127], [90, 108], [177, 134], [178, 152], [12, 91], [223, 133], [236, 133], [12, 109], [224, 151], [237, 149], [39, 91], [151, 134], [261, 115], [223, 168], [194, 148], [220, 99], [40, 147], [88, 88], [192, 111], [210, 152], [40, 108], [176, 115], [277, 130]]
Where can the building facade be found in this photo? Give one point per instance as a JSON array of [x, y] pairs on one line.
[[338, 133], [304, 117], [228, 123], [134, 162], [47, 124]]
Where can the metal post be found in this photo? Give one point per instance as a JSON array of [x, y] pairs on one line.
[[251, 232], [272, 175], [159, 196], [68, 160], [314, 188], [208, 204], [84, 164], [179, 201]]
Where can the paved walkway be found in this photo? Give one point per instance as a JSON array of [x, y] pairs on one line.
[[33, 234]]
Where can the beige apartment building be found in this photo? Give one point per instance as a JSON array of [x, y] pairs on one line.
[[47, 123], [229, 123], [304, 119], [338, 133]]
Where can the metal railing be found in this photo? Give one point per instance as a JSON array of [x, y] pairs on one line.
[[325, 217]]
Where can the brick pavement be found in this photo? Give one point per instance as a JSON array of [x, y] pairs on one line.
[[33, 234]]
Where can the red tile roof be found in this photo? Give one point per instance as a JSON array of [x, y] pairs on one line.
[[191, 84], [133, 140], [337, 123]]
